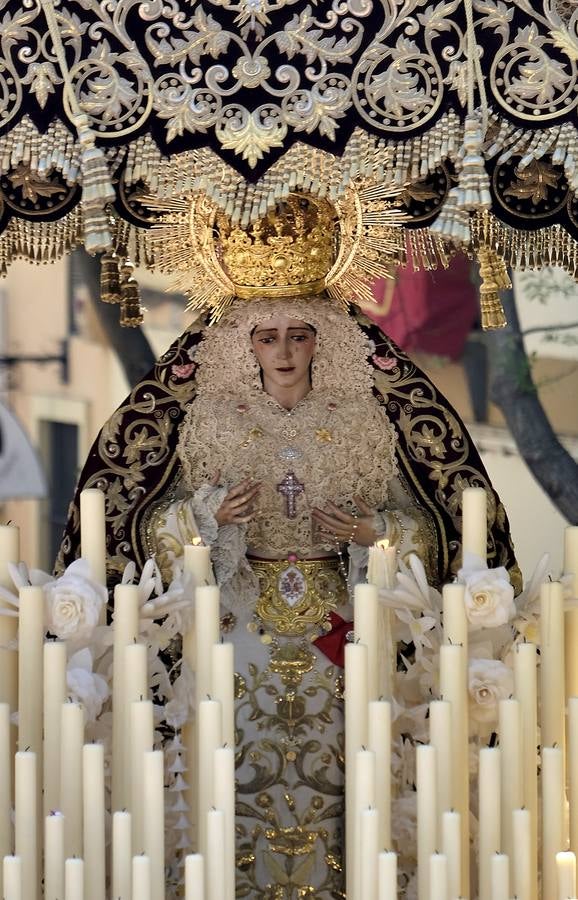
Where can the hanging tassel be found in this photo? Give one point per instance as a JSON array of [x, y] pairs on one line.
[[494, 275], [110, 289], [131, 311], [97, 190], [472, 192]]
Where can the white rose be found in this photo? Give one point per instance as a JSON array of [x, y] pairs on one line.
[[489, 598], [489, 681], [74, 603], [85, 686]]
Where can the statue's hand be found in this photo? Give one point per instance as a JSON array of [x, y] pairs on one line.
[[345, 527], [238, 506]]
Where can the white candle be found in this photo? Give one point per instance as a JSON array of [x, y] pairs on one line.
[[451, 847], [426, 816], [74, 879], [135, 674], [509, 729], [140, 741], [474, 522], [366, 630], [573, 771], [454, 688], [9, 552], [6, 842], [72, 740], [489, 816], [93, 533], [197, 562], [438, 874], [12, 878], [369, 840], [552, 816], [571, 615], [125, 632], [93, 821], [54, 856], [210, 738], [381, 571], [154, 819], [141, 878], [364, 798], [54, 697], [215, 827], [356, 735], [500, 867], [382, 565], [30, 665], [552, 665], [26, 821], [223, 688], [379, 740], [566, 870], [194, 877], [454, 615], [526, 692], [387, 875], [224, 799], [524, 881], [121, 856], [440, 731]]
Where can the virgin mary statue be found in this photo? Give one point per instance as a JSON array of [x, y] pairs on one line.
[[290, 435]]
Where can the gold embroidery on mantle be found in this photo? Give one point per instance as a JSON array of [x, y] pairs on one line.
[[316, 586]]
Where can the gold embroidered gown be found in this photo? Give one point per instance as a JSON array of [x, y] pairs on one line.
[[282, 587]]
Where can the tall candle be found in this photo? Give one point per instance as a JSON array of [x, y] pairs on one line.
[[210, 737], [74, 879], [9, 552], [440, 731], [426, 816], [197, 562], [500, 867], [223, 687], [438, 875], [12, 878], [387, 875], [72, 740], [140, 741], [93, 821], [552, 816], [121, 856], [364, 798], [369, 841], [524, 878], [365, 627], [54, 697], [215, 827], [6, 842], [489, 816], [526, 692], [379, 740], [474, 522], [224, 799], [552, 665], [566, 871], [93, 533], [454, 615], [511, 762], [454, 688], [571, 615], [154, 819], [194, 877], [125, 632], [356, 734], [381, 571], [26, 821], [30, 665], [141, 878], [451, 847], [54, 856]]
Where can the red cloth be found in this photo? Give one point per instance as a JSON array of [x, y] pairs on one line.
[[431, 312], [332, 644]]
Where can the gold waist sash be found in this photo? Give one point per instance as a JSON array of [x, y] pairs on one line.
[[297, 596]]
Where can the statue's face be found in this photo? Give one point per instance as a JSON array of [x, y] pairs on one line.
[[284, 348]]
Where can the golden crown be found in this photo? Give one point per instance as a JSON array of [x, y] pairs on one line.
[[303, 246], [290, 250]]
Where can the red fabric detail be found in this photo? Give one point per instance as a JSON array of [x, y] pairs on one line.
[[430, 312], [332, 644]]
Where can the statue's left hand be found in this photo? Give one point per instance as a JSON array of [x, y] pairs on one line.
[[346, 527]]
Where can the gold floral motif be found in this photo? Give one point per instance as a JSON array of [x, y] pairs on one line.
[[320, 585]]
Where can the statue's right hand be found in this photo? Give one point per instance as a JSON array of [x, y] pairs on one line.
[[238, 506]]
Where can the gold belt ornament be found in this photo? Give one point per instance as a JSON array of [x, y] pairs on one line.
[[299, 594]]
